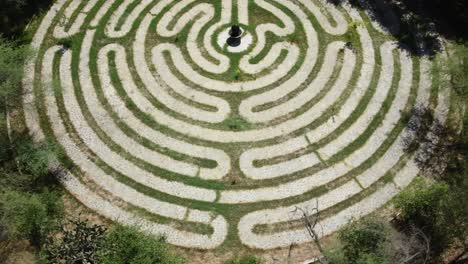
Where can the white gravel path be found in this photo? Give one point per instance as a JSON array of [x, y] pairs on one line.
[[173, 235], [326, 226], [115, 101], [114, 160], [197, 107], [99, 176], [339, 169], [75, 26]]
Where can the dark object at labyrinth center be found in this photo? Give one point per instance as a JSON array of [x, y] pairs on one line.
[[235, 33]]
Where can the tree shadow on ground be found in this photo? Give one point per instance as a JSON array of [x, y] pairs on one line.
[[15, 15], [417, 24]]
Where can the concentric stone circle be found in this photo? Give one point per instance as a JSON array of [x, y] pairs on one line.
[[172, 133]]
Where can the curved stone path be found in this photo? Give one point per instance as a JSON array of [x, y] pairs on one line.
[[172, 131]]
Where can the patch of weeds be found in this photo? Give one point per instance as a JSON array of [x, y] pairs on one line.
[[237, 75], [352, 35], [293, 38], [69, 42], [237, 123]]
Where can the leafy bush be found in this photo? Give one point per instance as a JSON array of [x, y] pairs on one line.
[[336, 256], [125, 245], [438, 210], [419, 203], [364, 240], [29, 216], [33, 158], [352, 35]]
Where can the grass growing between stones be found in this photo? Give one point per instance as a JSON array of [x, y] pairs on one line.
[[235, 123]]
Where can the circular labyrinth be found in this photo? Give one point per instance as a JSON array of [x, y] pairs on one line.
[[172, 130]]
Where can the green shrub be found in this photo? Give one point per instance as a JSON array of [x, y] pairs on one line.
[[125, 245], [12, 57], [438, 209], [33, 158], [28, 168], [420, 202], [364, 240], [29, 216], [336, 256], [352, 35]]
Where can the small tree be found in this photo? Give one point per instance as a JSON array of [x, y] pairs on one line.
[[310, 222], [311, 219]]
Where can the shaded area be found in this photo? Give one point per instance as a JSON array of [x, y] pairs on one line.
[[417, 24], [15, 15]]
